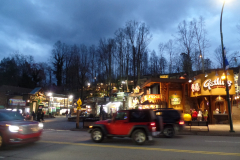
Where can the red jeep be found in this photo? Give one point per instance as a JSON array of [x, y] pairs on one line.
[[137, 124]]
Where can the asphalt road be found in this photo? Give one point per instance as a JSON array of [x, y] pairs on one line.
[[65, 144], [59, 123]]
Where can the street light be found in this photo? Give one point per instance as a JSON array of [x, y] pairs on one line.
[[202, 59], [123, 82], [224, 67]]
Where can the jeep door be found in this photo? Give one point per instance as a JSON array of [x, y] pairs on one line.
[[120, 126]]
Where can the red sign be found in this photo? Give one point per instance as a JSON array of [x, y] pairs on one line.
[[195, 87]]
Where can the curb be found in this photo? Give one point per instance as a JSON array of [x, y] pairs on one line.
[[216, 133]]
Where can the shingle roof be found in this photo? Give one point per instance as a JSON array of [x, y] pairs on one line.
[[35, 90]]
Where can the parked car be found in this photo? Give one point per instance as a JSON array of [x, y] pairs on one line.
[[137, 124], [172, 121], [15, 130]]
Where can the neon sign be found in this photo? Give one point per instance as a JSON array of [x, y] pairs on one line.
[[217, 82], [195, 87], [175, 101]]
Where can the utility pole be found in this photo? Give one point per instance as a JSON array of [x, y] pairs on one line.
[[224, 68]]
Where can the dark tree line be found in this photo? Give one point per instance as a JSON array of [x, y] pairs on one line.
[[22, 71], [123, 57]]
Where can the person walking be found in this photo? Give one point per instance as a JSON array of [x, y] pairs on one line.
[[66, 113], [33, 116], [38, 116], [199, 115], [194, 115], [205, 115], [42, 116], [101, 112]]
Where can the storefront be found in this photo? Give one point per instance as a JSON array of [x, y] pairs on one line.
[[109, 107], [134, 99], [38, 101], [210, 95], [59, 103], [17, 103], [151, 101], [164, 93]]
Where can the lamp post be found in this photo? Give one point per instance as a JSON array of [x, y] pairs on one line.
[[224, 67], [123, 82]]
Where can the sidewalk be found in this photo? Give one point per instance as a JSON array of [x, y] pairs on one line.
[[214, 130]]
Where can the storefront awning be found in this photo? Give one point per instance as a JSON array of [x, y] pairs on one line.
[[136, 94]]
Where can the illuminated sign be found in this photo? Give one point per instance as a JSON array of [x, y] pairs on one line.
[[153, 96], [17, 102], [175, 101], [195, 87], [217, 83], [164, 76]]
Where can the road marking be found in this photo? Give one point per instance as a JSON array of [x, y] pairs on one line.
[[2, 157], [54, 130], [144, 148], [221, 142]]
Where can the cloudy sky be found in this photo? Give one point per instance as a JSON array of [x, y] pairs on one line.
[[33, 26]]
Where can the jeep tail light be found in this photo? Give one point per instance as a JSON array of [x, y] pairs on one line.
[[181, 122], [152, 124]]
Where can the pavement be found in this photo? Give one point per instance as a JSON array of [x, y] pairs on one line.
[[214, 130], [61, 123]]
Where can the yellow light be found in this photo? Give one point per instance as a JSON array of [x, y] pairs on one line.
[[90, 126], [223, 77]]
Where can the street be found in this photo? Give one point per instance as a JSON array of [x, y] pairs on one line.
[[61, 143]]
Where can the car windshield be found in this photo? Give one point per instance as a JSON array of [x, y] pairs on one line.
[[10, 116]]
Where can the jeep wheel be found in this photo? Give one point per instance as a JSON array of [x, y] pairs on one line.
[[1, 141], [168, 132], [97, 135], [139, 136]]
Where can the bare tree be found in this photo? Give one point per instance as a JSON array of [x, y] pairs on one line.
[[170, 51], [218, 56], [207, 64], [154, 63], [106, 51], [84, 67], [58, 59], [120, 48], [202, 42], [139, 38], [185, 39], [93, 59], [162, 60]]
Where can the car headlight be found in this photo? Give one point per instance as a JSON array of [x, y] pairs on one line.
[[40, 125], [13, 128]]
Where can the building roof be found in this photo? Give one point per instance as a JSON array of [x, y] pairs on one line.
[[35, 90], [152, 81], [14, 90]]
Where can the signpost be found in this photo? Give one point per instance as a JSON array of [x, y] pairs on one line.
[[79, 103]]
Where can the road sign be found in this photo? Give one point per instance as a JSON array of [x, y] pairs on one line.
[[79, 108], [79, 102]]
